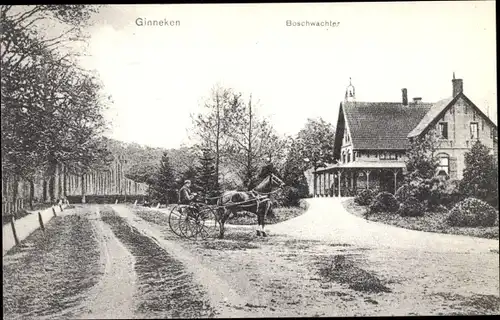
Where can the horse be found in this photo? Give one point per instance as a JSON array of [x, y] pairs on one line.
[[256, 201]]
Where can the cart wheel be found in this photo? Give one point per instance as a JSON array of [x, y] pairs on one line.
[[174, 220], [188, 222], [208, 224]]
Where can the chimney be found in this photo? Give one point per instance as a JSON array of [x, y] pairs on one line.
[[417, 100], [405, 96], [458, 85]]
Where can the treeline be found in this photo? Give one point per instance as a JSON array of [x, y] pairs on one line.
[[234, 148], [51, 108]]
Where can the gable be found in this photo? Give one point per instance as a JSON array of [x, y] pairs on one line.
[[439, 109]]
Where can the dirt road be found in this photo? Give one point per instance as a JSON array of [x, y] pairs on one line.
[[313, 265]]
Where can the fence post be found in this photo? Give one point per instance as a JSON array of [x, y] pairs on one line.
[[41, 221], [16, 239], [60, 207], [116, 202], [54, 211], [135, 203]]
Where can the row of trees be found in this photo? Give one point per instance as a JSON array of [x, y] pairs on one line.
[[51, 109], [235, 148]]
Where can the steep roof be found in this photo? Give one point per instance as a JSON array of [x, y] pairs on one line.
[[438, 108], [382, 125]]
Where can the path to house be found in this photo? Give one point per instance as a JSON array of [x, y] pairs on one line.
[[326, 219]]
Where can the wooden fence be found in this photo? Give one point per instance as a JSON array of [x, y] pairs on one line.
[[96, 183]]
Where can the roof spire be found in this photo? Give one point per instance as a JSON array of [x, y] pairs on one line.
[[453, 75], [350, 91]]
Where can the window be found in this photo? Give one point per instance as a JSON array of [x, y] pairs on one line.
[[443, 130], [354, 156], [444, 165], [348, 156], [474, 133], [388, 156], [343, 157]]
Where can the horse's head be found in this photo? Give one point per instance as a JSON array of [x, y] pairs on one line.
[[269, 184], [277, 181]]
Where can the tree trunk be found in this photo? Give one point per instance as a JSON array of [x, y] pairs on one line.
[[217, 154], [32, 193], [15, 192], [83, 188], [52, 181], [65, 182], [51, 185], [44, 190], [249, 155]]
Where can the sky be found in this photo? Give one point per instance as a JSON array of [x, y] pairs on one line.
[[159, 75]]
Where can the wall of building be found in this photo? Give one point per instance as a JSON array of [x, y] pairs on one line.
[[459, 117]]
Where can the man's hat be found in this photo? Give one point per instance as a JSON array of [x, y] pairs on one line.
[[187, 181]]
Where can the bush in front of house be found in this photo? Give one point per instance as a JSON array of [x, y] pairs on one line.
[[384, 202], [403, 193], [472, 212], [288, 197], [411, 207], [365, 197]]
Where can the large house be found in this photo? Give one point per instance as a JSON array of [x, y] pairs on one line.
[[372, 138]]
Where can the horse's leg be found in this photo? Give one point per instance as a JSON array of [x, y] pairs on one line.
[[222, 221], [259, 224], [263, 219]]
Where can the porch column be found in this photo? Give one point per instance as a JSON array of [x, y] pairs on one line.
[[315, 181], [352, 180], [395, 172], [325, 184], [329, 183], [340, 177], [367, 178], [319, 185]]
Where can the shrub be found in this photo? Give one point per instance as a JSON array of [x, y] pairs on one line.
[[388, 201], [364, 197], [472, 212], [376, 206], [288, 197], [384, 202], [411, 207], [403, 193]]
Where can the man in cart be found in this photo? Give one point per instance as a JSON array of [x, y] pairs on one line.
[[186, 197], [185, 194]]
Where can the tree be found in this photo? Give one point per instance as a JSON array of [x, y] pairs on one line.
[[421, 161], [254, 143], [46, 90], [315, 144], [164, 188], [207, 178], [480, 176], [212, 127], [293, 171]]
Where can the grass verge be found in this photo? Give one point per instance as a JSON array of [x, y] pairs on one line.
[[165, 290], [50, 270], [430, 222]]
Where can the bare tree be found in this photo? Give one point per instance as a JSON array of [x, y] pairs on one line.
[[254, 143], [213, 126]]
